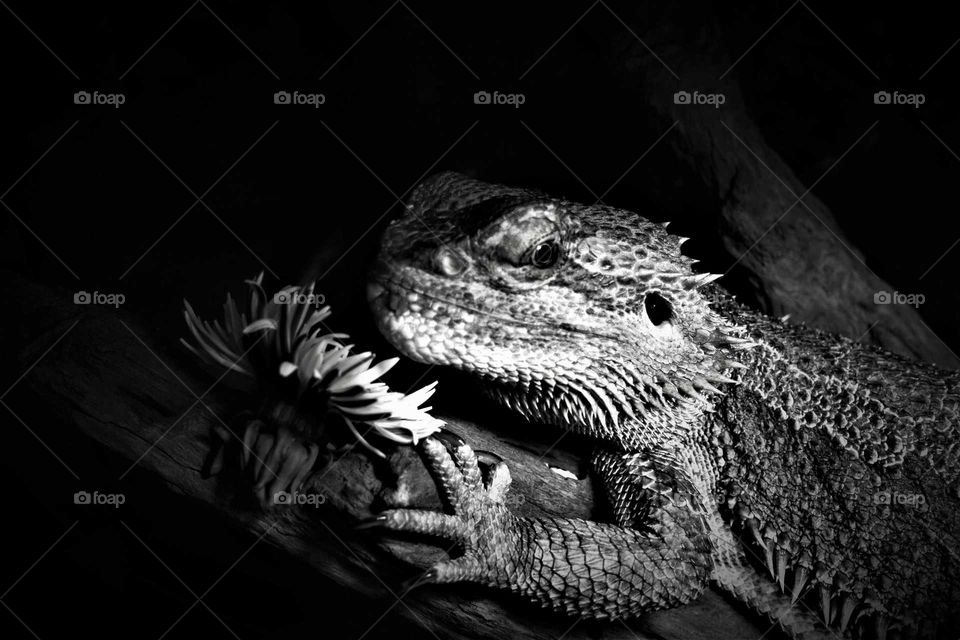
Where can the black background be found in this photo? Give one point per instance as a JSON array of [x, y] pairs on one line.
[[300, 190]]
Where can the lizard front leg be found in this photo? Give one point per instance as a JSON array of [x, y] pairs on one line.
[[581, 567], [631, 481]]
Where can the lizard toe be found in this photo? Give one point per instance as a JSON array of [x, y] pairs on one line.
[[450, 480], [422, 521], [461, 569], [463, 456]]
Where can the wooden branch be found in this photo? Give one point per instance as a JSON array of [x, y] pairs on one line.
[[108, 377]]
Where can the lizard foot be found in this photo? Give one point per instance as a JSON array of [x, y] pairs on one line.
[[480, 523]]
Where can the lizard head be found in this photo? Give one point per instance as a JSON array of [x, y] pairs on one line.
[[582, 316]]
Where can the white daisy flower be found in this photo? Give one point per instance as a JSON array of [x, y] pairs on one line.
[[283, 339]]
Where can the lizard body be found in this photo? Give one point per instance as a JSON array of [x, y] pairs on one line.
[[812, 477]]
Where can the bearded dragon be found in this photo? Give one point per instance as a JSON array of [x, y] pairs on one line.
[[812, 477]]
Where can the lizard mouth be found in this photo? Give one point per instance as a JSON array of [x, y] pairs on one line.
[[391, 292], [422, 326], [401, 306]]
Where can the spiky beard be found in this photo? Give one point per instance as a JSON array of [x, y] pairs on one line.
[[630, 411]]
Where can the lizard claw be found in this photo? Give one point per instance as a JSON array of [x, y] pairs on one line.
[[488, 458], [370, 523], [479, 522], [450, 439], [427, 577]]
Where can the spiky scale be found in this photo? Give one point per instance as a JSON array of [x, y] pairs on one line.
[[850, 603], [825, 608], [782, 559], [801, 574]]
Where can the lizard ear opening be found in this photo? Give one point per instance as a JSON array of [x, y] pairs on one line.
[[658, 308]]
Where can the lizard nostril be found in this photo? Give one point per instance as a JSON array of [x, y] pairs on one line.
[[448, 262]]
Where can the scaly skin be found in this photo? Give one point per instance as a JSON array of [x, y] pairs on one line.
[[814, 478]]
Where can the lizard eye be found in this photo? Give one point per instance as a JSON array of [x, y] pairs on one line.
[[447, 262], [658, 308], [545, 254]]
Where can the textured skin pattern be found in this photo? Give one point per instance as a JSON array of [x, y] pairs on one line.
[[813, 478], [577, 566]]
